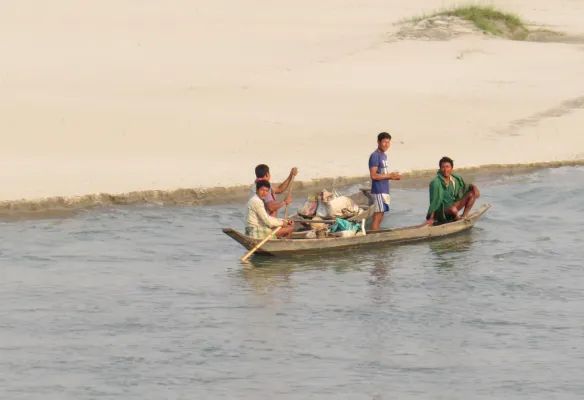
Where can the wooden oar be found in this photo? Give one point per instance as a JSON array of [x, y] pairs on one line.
[[288, 194], [260, 244]]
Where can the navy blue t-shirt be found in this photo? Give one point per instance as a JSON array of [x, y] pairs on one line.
[[379, 160]]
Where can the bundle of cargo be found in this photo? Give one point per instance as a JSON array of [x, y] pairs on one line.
[[330, 205]]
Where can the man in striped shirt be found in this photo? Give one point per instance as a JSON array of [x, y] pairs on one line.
[[262, 172], [258, 223]]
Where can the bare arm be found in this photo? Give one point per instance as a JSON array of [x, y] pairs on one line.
[[394, 176], [430, 218], [435, 202], [284, 185], [274, 206]]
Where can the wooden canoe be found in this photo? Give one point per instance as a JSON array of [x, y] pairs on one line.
[[278, 247]]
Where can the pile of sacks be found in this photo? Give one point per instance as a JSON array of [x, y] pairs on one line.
[[329, 205], [332, 206]]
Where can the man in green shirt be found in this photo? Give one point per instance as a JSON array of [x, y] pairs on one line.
[[449, 194]]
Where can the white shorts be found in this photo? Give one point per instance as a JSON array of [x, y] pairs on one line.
[[380, 202]]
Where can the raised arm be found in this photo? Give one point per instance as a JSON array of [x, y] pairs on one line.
[[274, 206], [284, 185]]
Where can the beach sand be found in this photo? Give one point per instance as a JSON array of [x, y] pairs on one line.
[[120, 96]]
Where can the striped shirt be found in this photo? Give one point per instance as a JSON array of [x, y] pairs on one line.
[[258, 222]]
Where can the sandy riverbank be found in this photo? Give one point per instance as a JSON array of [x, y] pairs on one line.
[[118, 96], [59, 206]]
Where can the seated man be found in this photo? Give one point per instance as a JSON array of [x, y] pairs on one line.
[[258, 223], [449, 194], [262, 173]]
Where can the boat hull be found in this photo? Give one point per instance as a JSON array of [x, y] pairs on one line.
[[282, 247]]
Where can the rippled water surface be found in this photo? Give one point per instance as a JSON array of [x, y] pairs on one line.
[[152, 303]]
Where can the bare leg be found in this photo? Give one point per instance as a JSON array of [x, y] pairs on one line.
[[453, 211], [470, 200], [466, 202], [376, 221]]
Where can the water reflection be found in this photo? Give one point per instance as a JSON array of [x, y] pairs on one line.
[[263, 280], [448, 251], [453, 244], [380, 272], [263, 273]]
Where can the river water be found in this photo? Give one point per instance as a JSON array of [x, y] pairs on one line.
[[152, 303]]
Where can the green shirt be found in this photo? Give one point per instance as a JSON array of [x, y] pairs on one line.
[[443, 196]]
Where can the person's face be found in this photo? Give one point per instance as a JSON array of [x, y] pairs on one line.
[[267, 177], [446, 169], [384, 144], [263, 192]]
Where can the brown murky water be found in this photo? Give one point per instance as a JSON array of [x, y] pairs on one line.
[[152, 302]]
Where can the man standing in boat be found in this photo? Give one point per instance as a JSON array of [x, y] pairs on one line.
[[262, 173], [258, 224], [449, 194], [380, 177]]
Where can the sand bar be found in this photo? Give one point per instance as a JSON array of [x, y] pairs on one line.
[[119, 96]]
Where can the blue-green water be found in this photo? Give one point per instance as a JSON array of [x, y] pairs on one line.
[[152, 303]]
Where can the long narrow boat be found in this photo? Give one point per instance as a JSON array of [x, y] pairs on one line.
[[281, 247]]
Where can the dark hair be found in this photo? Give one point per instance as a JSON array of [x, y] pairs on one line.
[[383, 135], [261, 184], [261, 170], [446, 160]]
